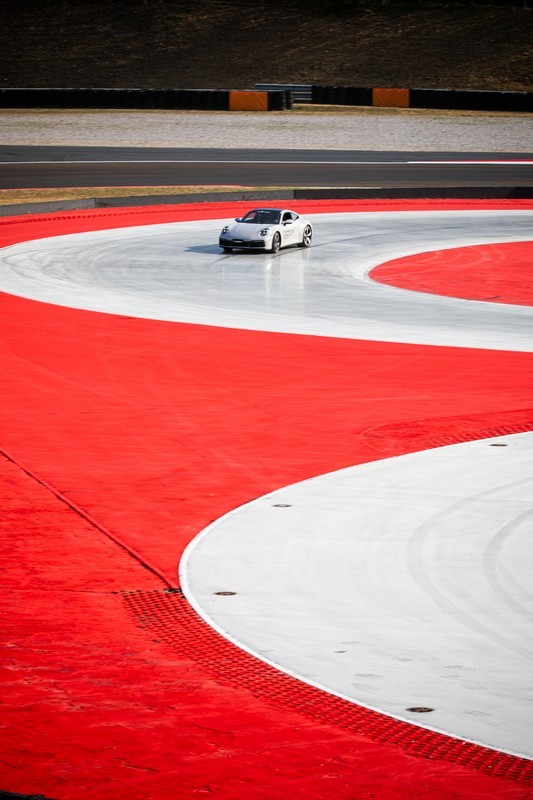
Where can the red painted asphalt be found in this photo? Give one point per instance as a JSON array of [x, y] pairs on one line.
[[122, 438], [494, 273]]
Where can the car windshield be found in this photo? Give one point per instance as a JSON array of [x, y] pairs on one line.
[[262, 216]]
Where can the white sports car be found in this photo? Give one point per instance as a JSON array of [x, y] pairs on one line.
[[266, 229]]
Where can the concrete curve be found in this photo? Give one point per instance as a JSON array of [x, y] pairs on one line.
[[399, 584], [176, 272]]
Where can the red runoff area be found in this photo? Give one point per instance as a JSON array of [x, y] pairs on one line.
[[152, 430], [496, 273]]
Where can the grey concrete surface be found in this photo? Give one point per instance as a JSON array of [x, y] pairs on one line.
[[399, 584], [177, 272]]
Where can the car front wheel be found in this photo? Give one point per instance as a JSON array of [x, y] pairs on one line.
[[307, 236], [228, 249], [276, 243]]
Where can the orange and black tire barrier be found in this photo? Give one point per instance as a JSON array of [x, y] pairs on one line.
[[452, 99], [265, 100], [178, 99]]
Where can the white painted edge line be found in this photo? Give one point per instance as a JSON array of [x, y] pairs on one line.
[[267, 161]]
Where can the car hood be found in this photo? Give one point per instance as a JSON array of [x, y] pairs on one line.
[[247, 230]]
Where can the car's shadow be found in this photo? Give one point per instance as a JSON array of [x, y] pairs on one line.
[[216, 250], [203, 248]]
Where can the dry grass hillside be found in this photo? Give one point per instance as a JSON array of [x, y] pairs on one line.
[[220, 44]]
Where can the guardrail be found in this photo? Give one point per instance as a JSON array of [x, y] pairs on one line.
[[301, 92]]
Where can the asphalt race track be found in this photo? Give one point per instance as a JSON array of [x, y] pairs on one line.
[[30, 167]]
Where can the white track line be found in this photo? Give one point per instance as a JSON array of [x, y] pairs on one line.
[[271, 161]]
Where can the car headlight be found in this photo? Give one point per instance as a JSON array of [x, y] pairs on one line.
[[264, 232], [225, 229]]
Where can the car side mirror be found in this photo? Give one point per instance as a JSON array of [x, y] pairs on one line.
[[237, 219], [288, 222]]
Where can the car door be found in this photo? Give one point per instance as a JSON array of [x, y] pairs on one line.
[[289, 227], [299, 226]]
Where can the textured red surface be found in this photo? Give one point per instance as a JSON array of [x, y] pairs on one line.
[[169, 616], [496, 273], [152, 430]]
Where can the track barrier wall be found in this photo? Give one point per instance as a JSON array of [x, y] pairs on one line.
[[391, 193], [172, 99], [452, 99], [266, 99]]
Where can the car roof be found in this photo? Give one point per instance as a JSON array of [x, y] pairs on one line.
[[266, 208]]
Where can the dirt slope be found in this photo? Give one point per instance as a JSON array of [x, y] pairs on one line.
[[219, 44]]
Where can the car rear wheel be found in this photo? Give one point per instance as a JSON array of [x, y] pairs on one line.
[[276, 243], [307, 236]]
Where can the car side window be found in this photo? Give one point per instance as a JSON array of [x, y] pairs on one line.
[[287, 217]]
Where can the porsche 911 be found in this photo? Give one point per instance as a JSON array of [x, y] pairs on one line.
[[266, 229]]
